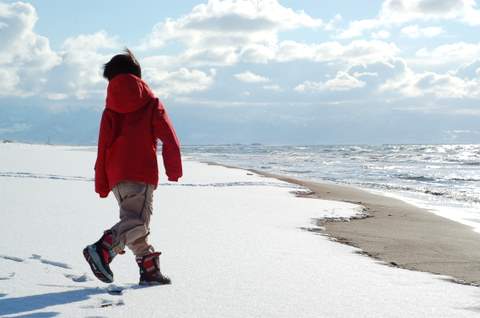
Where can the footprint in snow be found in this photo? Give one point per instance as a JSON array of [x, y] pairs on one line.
[[78, 278], [48, 262], [115, 290], [104, 303], [109, 303], [9, 276], [12, 258]]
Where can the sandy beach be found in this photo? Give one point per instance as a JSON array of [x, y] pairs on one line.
[[399, 233]]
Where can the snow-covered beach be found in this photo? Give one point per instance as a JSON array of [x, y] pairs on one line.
[[233, 242]]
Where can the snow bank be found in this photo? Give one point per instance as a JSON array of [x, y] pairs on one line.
[[232, 243]]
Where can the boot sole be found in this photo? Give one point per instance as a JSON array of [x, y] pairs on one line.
[[154, 283], [93, 259]]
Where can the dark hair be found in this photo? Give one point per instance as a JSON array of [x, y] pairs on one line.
[[125, 63]]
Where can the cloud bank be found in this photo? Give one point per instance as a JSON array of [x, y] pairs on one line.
[[243, 51]]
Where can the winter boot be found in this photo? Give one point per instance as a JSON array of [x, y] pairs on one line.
[[150, 270], [99, 255]]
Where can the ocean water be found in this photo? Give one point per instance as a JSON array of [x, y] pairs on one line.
[[442, 178]]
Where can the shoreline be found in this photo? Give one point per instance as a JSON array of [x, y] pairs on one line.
[[397, 233]]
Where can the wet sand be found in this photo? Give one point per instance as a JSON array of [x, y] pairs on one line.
[[399, 233]]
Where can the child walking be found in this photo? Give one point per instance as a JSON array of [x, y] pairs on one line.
[[126, 164]]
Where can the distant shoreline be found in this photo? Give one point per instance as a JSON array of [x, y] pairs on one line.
[[398, 233]]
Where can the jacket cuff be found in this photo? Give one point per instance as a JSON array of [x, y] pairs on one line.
[[103, 194], [173, 179]]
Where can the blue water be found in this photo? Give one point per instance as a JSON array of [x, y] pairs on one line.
[[439, 177]]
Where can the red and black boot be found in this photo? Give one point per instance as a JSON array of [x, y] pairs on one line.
[[150, 270], [99, 255]]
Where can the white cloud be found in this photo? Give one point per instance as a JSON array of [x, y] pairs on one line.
[[384, 80], [180, 82], [381, 35], [398, 12], [342, 82], [309, 86], [394, 78], [358, 27], [359, 51], [333, 23], [25, 56], [376, 74], [440, 86], [30, 67], [469, 71], [9, 81], [292, 50], [453, 53], [414, 31], [257, 53], [407, 10], [430, 84], [249, 77], [273, 87], [57, 96], [230, 32], [223, 32], [362, 51], [84, 56], [212, 56], [227, 33], [230, 23], [443, 85], [80, 73]]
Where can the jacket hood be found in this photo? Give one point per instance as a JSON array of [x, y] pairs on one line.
[[127, 93]]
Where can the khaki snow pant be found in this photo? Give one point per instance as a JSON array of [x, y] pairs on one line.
[[135, 201]]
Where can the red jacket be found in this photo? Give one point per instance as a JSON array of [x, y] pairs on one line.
[[131, 123]]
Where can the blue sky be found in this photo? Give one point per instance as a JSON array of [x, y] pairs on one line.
[[280, 72]]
